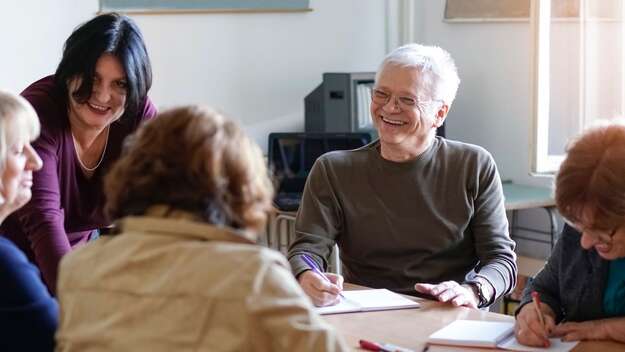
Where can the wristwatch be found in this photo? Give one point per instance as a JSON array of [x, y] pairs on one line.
[[478, 285]]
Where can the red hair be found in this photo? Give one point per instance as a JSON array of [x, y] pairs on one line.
[[593, 176]]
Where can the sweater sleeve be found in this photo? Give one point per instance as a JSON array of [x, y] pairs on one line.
[[318, 221], [42, 219], [28, 315], [489, 225]]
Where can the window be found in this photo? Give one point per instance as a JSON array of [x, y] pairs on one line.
[[578, 69]]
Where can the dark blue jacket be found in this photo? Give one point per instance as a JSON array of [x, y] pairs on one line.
[[572, 282], [28, 314]]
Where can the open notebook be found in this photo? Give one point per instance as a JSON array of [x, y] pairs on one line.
[[490, 334], [369, 300]]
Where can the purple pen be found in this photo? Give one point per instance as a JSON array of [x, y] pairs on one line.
[[315, 269]]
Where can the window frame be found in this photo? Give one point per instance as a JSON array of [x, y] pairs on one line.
[[541, 162]]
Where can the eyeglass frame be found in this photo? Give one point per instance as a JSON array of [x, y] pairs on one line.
[[601, 235], [400, 101]]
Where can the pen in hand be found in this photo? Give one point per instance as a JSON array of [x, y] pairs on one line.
[[539, 312], [311, 264]]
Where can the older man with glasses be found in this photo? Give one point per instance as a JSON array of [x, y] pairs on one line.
[[411, 212]]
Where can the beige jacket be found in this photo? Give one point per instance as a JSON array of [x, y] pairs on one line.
[[167, 284]]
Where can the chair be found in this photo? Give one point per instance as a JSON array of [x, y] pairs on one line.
[[281, 233]]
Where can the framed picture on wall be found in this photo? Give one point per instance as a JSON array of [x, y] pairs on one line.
[[519, 10], [193, 6]]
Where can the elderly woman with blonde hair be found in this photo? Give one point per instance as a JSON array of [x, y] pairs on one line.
[[182, 271], [582, 286], [28, 314]]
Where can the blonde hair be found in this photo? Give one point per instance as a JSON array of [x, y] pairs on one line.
[[592, 176], [18, 120], [194, 159]]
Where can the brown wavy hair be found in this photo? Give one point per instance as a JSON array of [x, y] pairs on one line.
[[194, 159], [593, 176]]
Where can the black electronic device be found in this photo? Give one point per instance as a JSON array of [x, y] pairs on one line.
[[292, 155], [340, 103]]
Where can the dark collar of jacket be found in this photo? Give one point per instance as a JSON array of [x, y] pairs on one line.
[[573, 281]]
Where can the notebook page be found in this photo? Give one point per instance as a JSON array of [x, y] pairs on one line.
[[380, 299], [344, 306], [369, 300], [557, 345]]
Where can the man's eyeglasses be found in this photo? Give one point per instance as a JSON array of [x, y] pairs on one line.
[[404, 102]]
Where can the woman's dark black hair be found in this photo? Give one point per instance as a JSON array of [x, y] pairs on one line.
[[114, 34]]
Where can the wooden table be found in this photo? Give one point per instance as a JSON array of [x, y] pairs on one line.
[[411, 327]]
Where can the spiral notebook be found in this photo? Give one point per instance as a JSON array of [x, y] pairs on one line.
[[369, 300], [489, 334]]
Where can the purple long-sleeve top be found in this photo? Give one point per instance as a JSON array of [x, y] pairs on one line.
[[66, 206]]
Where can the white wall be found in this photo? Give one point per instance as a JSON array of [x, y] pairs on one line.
[[33, 33], [255, 67], [493, 104], [259, 67]]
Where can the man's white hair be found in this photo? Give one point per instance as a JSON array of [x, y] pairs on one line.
[[439, 72]]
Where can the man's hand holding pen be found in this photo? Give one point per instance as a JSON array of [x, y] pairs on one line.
[[324, 289]]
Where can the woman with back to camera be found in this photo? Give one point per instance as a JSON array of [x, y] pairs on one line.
[[28, 315], [97, 96], [582, 286], [181, 271]]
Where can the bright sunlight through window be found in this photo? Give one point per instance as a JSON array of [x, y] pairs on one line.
[[578, 68]]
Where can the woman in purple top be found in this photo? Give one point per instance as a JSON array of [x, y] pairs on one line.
[[96, 98]]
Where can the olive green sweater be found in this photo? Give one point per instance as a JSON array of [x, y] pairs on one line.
[[438, 217]]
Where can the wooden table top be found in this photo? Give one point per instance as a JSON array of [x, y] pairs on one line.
[[410, 328]]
